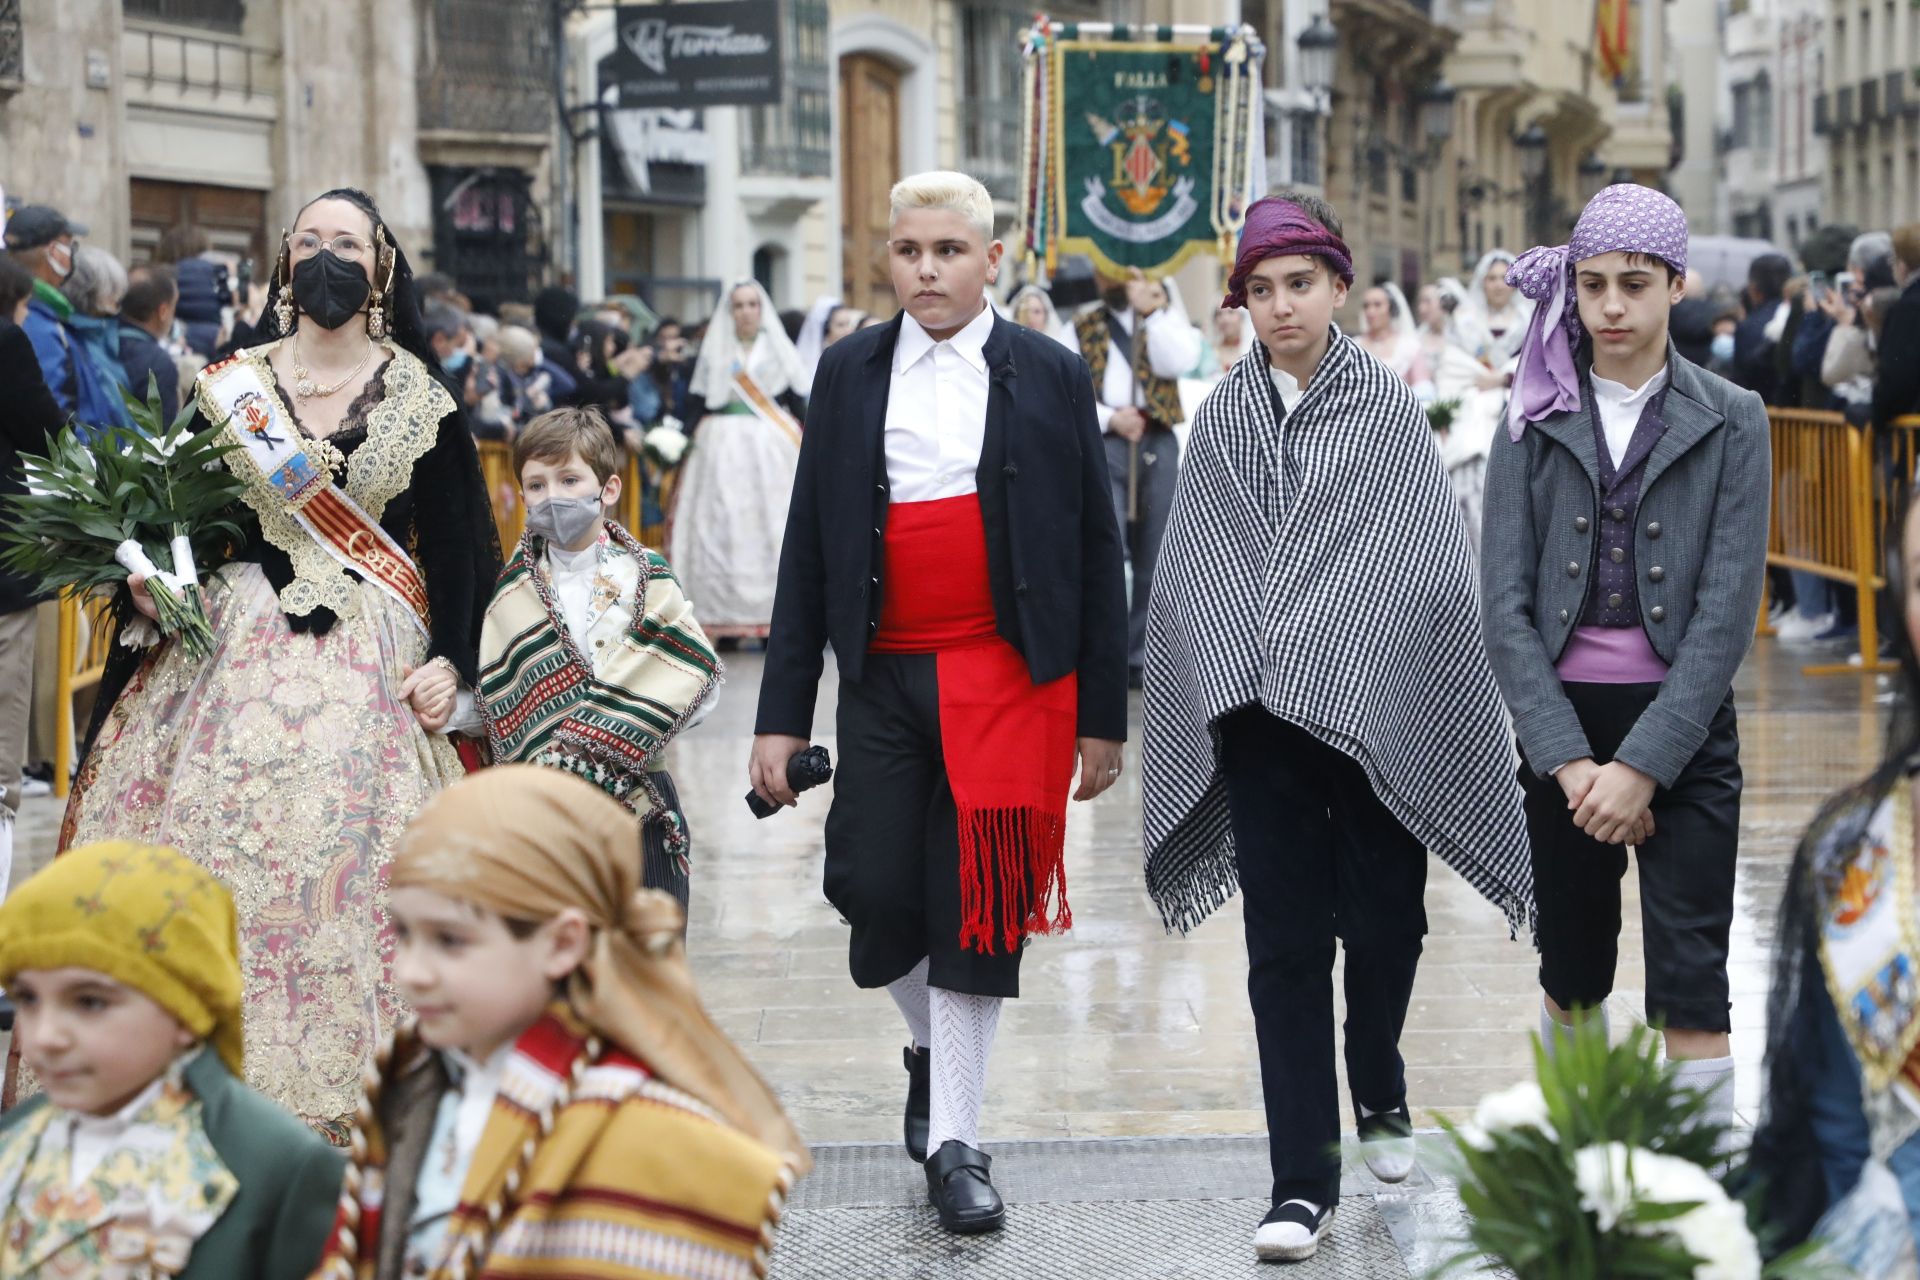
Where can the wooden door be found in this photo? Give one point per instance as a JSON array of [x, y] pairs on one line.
[[235, 219], [869, 166]]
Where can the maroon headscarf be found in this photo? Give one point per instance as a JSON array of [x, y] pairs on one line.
[[1277, 228]]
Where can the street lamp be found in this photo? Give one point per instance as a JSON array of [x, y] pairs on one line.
[[1593, 176], [1436, 112], [1317, 44], [1532, 146]]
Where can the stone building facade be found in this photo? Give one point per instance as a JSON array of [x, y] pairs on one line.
[[1869, 112], [229, 114]]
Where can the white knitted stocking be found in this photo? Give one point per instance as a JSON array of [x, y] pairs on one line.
[[963, 1031], [909, 992]]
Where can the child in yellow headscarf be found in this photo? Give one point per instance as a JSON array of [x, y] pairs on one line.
[[563, 1105], [144, 1155]]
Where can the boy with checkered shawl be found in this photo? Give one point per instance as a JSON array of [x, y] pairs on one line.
[[1319, 710]]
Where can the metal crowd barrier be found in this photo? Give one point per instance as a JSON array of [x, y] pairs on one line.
[[85, 634], [1837, 491]]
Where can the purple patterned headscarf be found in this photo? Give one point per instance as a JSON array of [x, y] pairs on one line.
[[1624, 218], [1277, 228]]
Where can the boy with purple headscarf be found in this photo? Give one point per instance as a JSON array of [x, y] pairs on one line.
[[1623, 551]]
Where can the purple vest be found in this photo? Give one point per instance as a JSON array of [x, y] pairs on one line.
[[1612, 598]]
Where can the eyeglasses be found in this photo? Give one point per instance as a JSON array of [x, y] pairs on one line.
[[347, 248]]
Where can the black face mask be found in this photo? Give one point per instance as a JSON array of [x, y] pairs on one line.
[[329, 290]]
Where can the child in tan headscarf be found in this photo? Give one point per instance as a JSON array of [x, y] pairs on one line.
[[563, 1103]]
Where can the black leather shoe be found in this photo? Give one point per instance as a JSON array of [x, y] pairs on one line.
[[959, 1186], [919, 1102]]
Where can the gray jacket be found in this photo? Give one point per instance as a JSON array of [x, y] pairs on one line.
[[1700, 553]]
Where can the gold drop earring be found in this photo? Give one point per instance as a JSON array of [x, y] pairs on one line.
[[376, 311], [283, 306]]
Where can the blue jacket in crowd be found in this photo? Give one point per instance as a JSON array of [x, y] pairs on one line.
[[81, 387]]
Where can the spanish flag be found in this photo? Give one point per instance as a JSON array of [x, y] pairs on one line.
[[1613, 37]]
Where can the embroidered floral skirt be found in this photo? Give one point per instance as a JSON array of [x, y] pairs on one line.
[[286, 766]]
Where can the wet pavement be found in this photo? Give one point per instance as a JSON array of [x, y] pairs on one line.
[[1126, 1032]]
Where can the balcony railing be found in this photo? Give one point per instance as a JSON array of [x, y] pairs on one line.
[[1823, 113], [184, 61], [794, 137], [220, 15], [1843, 117], [486, 66], [1899, 97], [1869, 101]]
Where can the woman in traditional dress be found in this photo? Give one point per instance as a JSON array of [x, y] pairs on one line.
[[346, 628], [1032, 308], [738, 474], [813, 339], [1387, 329], [1837, 1150], [1492, 319]]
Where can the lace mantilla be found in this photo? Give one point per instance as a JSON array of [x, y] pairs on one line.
[[400, 430]]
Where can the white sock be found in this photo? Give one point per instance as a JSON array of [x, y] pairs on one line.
[[963, 1031], [1712, 1077], [6, 850], [909, 992], [1554, 1033]]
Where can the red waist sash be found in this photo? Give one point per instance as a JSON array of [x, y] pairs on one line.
[[1008, 743]]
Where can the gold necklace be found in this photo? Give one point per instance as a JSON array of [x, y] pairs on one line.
[[303, 384]]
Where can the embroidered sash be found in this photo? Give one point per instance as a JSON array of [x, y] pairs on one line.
[[765, 407], [273, 454], [1870, 950]]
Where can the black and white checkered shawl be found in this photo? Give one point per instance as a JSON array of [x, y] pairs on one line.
[[1322, 570]]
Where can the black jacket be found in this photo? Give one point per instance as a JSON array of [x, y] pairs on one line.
[[1053, 549], [1691, 326], [1896, 386], [142, 357], [32, 415]]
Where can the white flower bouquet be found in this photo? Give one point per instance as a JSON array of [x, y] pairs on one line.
[[1603, 1169], [666, 444], [150, 500]]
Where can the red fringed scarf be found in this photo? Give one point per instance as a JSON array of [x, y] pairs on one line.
[[1008, 743]]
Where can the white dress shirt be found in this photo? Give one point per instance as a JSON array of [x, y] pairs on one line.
[[937, 410], [458, 1123], [1286, 385], [1620, 407], [1173, 349], [573, 574]]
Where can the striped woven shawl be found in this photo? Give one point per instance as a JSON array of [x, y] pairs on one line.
[[589, 1168], [1320, 568], [606, 718]]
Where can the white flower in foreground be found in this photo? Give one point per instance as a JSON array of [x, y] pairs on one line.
[[666, 444], [1613, 1178], [1522, 1106]]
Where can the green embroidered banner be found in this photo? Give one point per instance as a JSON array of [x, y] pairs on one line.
[[1133, 152]]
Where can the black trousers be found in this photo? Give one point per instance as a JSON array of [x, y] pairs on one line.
[[659, 869], [1320, 857], [1686, 872], [893, 836], [1141, 536]]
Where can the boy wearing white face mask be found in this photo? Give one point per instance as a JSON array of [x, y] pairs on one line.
[[590, 657]]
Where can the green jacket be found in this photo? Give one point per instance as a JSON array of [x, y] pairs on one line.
[[278, 1220]]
